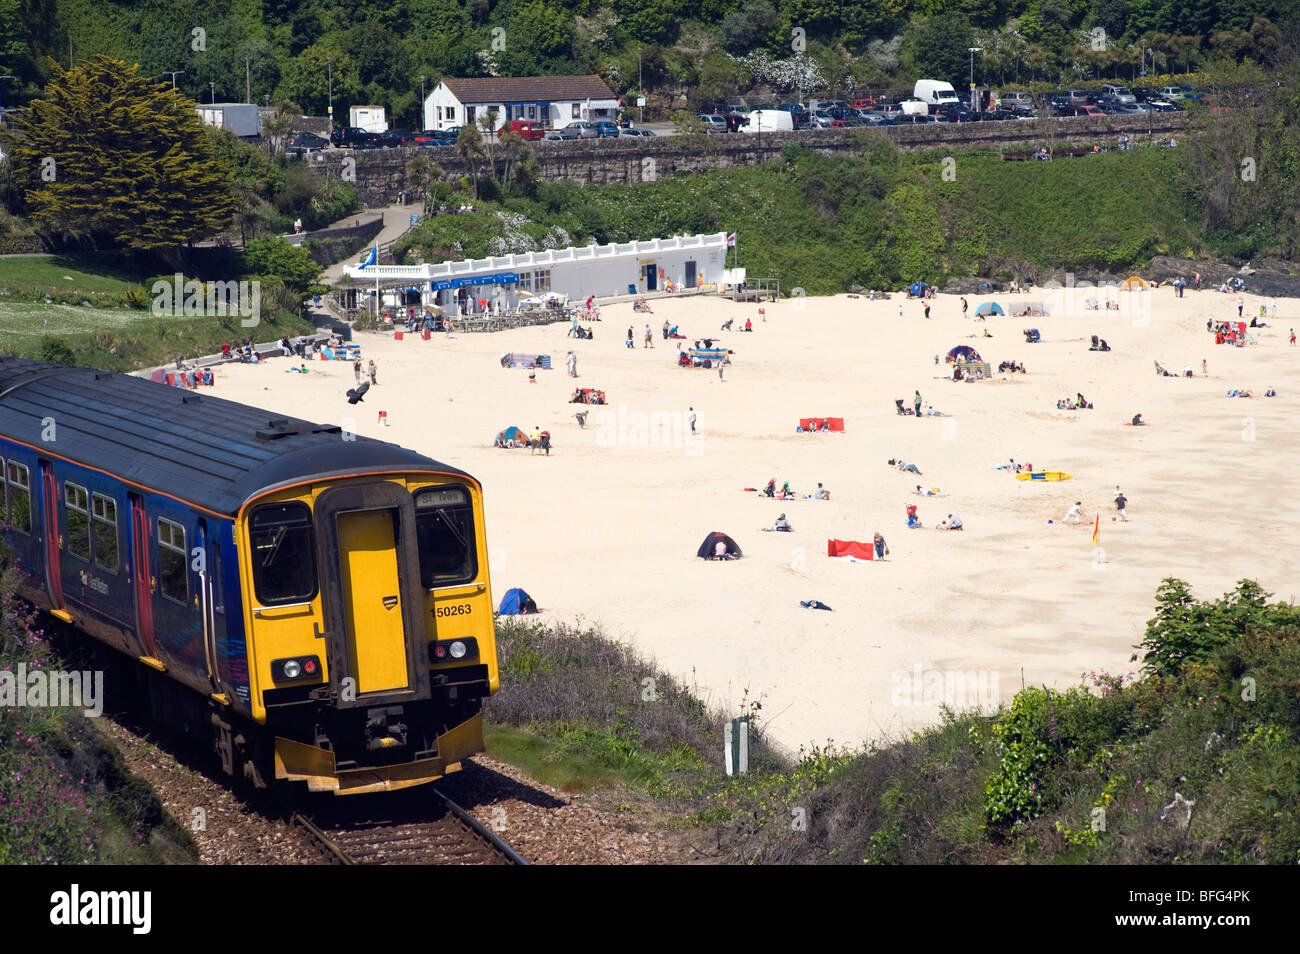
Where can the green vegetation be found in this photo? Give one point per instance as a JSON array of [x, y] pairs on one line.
[[1196, 762], [65, 795], [376, 51]]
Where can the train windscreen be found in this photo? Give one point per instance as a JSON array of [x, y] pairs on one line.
[[444, 524], [284, 554]]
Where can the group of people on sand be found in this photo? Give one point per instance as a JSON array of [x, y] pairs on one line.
[[1246, 392], [951, 522], [1007, 366], [787, 493], [1015, 468], [1077, 403], [1075, 514]]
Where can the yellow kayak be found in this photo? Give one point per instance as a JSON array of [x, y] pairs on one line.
[[1045, 475]]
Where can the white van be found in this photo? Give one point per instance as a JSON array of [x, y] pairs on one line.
[[915, 107], [935, 93], [768, 121]]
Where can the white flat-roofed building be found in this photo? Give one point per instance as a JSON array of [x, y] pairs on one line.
[[554, 101], [624, 268]]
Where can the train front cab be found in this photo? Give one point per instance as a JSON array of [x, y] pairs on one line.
[[369, 616]]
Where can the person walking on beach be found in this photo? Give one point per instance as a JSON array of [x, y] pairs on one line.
[[665, 329], [692, 419], [535, 439], [630, 342], [1205, 368], [1241, 306], [720, 365], [879, 543], [371, 369], [1293, 337], [573, 364], [649, 337], [964, 306], [1198, 281], [917, 402], [1121, 502], [1273, 309], [356, 369], [927, 308]]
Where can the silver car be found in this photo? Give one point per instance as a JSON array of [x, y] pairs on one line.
[[583, 130]]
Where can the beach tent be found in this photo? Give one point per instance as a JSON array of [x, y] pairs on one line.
[[917, 289], [508, 435], [160, 376], [990, 308], [709, 548], [963, 353], [1034, 309], [517, 602], [1133, 282], [843, 548]]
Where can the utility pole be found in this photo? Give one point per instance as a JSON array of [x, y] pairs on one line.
[[330, 64], [248, 86], [2, 108], [640, 89], [973, 50], [214, 92], [173, 74], [422, 124]]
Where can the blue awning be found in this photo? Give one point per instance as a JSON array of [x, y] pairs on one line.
[[440, 286], [503, 278]]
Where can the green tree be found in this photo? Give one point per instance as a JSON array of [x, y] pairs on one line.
[[274, 257], [421, 173], [939, 48], [121, 159], [470, 146]]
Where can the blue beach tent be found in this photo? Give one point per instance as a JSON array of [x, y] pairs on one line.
[[516, 602]]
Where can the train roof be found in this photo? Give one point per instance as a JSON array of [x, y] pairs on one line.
[[212, 453]]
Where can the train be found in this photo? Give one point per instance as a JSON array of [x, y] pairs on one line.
[[315, 603]]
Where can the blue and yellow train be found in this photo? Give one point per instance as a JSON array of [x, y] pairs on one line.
[[315, 602]]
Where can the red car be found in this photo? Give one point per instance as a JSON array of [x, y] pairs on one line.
[[529, 129]]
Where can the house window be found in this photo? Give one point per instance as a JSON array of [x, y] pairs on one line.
[[76, 501], [577, 111], [542, 280], [469, 115], [173, 579], [105, 520], [20, 497]]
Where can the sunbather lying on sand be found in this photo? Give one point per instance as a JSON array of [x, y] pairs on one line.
[[931, 492], [901, 465]]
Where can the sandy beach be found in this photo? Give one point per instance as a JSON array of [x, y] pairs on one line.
[[606, 529]]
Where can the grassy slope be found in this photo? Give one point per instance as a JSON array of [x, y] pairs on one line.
[[1083, 776]]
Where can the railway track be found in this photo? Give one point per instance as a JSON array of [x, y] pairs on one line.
[[410, 832]]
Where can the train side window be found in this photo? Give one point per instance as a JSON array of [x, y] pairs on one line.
[[173, 579], [104, 514], [214, 570], [76, 501], [20, 496], [444, 529], [284, 554]]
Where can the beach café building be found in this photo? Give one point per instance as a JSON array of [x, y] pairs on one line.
[[500, 283]]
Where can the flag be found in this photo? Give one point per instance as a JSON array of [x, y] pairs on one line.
[[1096, 531], [373, 257], [731, 240]]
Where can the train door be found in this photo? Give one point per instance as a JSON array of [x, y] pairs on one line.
[[371, 577], [50, 529], [144, 580], [209, 570]]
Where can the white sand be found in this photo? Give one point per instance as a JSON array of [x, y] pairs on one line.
[[609, 533]]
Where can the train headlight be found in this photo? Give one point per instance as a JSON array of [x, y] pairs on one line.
[[296, 669], [292, 669], [457, 650]]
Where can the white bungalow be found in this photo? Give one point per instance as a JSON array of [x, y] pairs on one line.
[[554, 101]]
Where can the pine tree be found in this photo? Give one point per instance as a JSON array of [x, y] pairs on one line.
[[120, 159]]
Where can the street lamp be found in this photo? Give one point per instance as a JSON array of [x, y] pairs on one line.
[[972, 50], [214, 91], [330, 64], [173, 74], [422, 123]]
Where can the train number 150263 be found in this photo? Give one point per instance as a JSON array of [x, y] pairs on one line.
[[456, 609]]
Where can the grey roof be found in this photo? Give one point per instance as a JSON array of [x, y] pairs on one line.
[[529, 89], [204, 450]]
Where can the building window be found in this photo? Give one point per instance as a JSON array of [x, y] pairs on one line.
[[577, 111], [105, 520], [542, 281], [469, 115], [173, 580], [532, 112], [76, 502], [20, 497]]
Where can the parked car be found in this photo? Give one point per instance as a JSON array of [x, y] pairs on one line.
[[395, 137], [866, 103], [605, 129], [354, 137], [1013, 98], [529, 129], [582, 129], [1121, 93], [1160, 106], [563, 133], [1073, 96], [713, 122], [306, 140], [1171, 93]]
